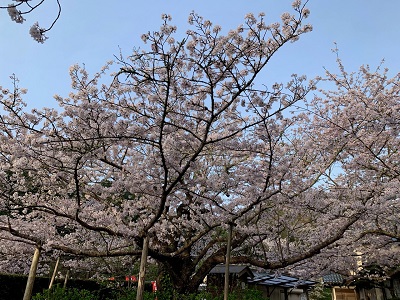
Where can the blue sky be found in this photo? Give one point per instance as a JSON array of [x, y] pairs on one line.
[[91, 32]]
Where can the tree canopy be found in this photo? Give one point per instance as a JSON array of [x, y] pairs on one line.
[[183, 138]]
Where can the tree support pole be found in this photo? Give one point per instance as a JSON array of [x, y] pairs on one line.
[[32, 275], [142, 271], [54, 273], [227, 261], [66, 279]]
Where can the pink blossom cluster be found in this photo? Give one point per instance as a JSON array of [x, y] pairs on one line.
[[24, 7]]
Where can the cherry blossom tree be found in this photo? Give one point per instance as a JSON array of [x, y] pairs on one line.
[[186, 139], [360, 116]]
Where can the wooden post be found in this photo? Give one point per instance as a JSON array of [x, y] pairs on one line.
[[66, 279], [227, 261], [32, 275], [142, 271], [54, 273]]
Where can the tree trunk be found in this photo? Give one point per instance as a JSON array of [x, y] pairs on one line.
[[142, 271], [32, 275], [179, 272]]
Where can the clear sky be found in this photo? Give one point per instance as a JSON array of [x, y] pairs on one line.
[[90, 32]]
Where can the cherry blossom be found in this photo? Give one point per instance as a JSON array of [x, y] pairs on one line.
[[15, 14], [25, 7], [37, 33]]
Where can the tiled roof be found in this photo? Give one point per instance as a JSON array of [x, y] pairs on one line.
[[233, 269], [271, 279], [333, 279]]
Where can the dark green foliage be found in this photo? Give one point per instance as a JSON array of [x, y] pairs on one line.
[[13, 286], [320, 292], [326, 294], [59, 293], [247, 294], [129, 294]]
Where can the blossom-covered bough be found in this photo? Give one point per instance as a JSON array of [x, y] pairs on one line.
[[185, 139], [360, 117], [19, 8]]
